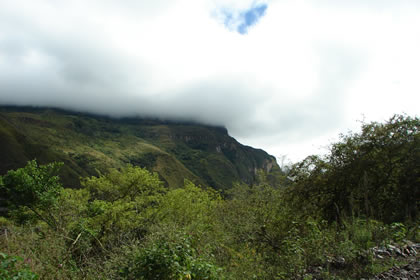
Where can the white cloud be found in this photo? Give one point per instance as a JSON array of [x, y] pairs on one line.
[[305, 72]]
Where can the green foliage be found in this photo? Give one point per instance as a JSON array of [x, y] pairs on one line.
[[36, 187], [371, 174], [318, 221], [168, 258], [122, 205], [399, 231], [33, 185], [258, 233], [11, 268], [127, 183], [190, 207]]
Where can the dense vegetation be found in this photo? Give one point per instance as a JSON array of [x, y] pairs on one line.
[[323, 215]]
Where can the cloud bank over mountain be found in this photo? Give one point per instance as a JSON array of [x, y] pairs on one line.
[[282, 75]]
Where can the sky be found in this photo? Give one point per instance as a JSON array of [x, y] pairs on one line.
[[287, 76]]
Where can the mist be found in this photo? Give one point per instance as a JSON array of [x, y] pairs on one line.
[[287, 79]]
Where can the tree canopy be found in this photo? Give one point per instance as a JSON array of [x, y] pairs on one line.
[[374, 173]]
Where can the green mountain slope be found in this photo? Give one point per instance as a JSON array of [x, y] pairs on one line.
[[89, 145]]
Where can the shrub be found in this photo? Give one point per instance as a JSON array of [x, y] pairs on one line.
[[168, 259], [12, 269], [35, 187]]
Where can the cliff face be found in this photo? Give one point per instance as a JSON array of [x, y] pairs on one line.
[[89, 145]]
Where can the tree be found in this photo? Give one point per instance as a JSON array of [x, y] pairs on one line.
[[34, 187], [189, 207], [123, 202], [374, 173]]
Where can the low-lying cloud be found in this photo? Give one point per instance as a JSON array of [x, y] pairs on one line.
[[285, 76]]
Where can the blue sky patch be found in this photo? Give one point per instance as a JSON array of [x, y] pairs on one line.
[[241, 21], [251, 17]]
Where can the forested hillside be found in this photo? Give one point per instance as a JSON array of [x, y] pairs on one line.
[[90, 145], [351, 214]]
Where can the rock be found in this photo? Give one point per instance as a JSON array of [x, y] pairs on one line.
[[408, 250], [409, 271], [408, 267], [398, 251], [391, 247], [341, 260]]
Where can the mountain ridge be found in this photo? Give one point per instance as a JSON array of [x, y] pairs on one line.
[[90, 144]]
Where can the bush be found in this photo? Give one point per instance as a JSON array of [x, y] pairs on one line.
[[189, 207], [164, 258], [12, 269], [34, 187], [123, 204]]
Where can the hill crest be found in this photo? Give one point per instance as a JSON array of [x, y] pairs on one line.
[[91, 144]]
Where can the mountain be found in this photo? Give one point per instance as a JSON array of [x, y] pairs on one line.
[[90, 145]]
